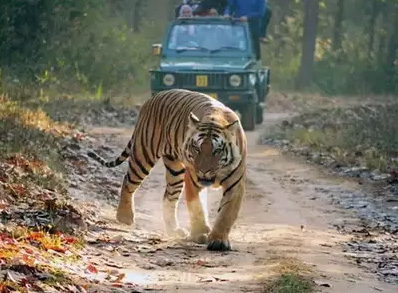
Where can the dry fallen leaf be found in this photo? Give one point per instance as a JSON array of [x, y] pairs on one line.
[[117, 285], [201, 263], [92, 269], [3, 205], [120, 278]]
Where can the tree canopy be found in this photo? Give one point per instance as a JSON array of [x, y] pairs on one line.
[[335, 47]]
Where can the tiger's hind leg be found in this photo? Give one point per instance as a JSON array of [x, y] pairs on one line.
[[137, 171], [198, 217], [175, 171]]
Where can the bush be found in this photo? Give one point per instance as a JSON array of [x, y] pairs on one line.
[[349, 70], [74, 46], [30, 132], [364, 136]]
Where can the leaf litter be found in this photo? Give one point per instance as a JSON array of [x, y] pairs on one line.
[[42, 237]]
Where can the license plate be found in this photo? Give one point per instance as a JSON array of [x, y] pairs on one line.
[[214, 96], [234, 98], [201, 80]]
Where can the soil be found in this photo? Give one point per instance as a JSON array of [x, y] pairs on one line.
[[287, 223]]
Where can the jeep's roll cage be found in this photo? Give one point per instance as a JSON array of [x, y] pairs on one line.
[[208, 20]]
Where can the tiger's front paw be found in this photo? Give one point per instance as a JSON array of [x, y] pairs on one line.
[[178, 233], [201, 236], [125, 216], [218, 243]]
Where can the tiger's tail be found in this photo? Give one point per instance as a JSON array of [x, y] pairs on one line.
[[110, 164]]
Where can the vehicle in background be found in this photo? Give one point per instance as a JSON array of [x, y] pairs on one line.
[[214, 56]]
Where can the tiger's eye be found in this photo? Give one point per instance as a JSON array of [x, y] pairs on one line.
[[196, 148], [216, 152]]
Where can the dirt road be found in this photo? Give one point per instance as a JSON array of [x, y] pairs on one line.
[[286, 224]]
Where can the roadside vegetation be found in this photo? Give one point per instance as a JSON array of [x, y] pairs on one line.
[[290, 276], [290, 283], [42, 229], [352, 136], [34, 235]]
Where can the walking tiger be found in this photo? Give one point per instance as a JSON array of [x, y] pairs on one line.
[[202, 144]]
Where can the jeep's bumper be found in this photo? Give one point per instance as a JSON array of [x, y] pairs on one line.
[[228, 98]]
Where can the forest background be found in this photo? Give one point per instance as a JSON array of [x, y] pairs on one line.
[[103, 47]]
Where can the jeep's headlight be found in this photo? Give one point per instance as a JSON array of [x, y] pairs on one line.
[[235, 80], [168, 79], [252, 79]]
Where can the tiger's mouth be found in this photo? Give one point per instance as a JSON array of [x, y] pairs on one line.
[[206, 181]]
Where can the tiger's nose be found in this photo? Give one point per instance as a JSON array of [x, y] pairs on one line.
[[206, 181], [206, 174]]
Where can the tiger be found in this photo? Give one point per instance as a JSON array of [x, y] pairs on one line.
[[202, 144]]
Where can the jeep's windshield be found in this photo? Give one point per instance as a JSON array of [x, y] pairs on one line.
[[208, 38]]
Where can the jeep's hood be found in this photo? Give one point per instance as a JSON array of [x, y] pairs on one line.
[[203, 63]]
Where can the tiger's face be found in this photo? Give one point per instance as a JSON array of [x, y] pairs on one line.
[[210, 148]]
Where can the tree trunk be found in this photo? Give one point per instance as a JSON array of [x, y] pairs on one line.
[[372, 22], [311, 12], [392, 54], [338, 23], [382, 35], [137, 16]]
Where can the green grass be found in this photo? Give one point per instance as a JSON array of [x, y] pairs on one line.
[[290, 283], [364, 136]]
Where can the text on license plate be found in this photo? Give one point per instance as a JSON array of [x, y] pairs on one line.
[[201, 80]]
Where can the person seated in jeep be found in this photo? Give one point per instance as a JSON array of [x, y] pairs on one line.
[[185, 11], [207, 7], [191, 3]]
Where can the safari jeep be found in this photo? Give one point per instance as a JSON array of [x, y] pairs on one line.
[[214, 56]]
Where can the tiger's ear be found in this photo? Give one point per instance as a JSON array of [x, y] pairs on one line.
[[193, 120], [234, 126]]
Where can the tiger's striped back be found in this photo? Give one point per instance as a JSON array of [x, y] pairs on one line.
[[162, 123]]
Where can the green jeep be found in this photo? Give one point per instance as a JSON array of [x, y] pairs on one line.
[[214, 56]]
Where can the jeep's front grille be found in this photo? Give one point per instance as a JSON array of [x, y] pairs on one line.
[[214, 81], [198, 80]]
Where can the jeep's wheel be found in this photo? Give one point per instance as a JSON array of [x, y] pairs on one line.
[[259, 114], [249, 117]]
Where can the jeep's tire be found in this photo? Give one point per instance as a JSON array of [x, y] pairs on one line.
[[249, 117], [259, 114]]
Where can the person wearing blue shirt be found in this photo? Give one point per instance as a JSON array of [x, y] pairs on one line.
[[245, 9], [251, 11], [265, 19]]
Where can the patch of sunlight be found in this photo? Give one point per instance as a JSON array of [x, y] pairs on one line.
[[265, 152]]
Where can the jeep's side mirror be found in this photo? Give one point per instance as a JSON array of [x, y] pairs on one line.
[[157, 49]]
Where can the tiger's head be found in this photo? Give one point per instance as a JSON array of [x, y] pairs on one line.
[[210, 147]]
